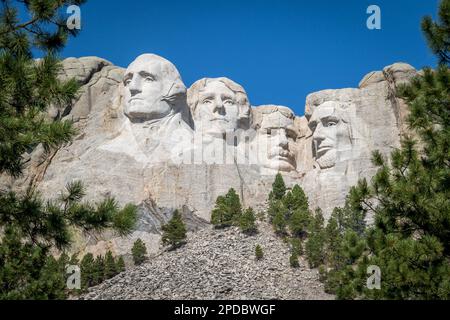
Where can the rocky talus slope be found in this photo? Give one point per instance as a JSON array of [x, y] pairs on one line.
[[217, 264]]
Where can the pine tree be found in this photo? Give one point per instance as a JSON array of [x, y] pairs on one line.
[[293, 260], [259, 254], [234, 204], [174, 232], [120, 265], [333, 238], [275, 207], [63, 261], [74, 261], [99, 270], [139, 252], [247, 222], [298, 222], [52, 282], [279, 223], [30, 225], [296, 199], [220, 216], [87, 268], [437, 33], [409, 196], [278, 188], [227, 210], [315, 243], [110, 265], [296, 246]]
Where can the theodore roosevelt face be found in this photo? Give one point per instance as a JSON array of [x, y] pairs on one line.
[[275, 138]]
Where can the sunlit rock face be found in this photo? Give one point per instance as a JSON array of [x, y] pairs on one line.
[[143, 138], [275, 138], [153, 99], [346, 126], [219, 106]]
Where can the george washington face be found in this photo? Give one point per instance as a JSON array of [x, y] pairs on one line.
[[144, 89]]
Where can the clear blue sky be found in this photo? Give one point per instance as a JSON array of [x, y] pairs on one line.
[[278, 50]]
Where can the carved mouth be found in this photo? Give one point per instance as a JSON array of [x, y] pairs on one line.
[[284, 156], [133, 99], [323, 150], [220, 119]]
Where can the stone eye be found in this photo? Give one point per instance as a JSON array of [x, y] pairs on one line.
[[149, 79], [127, 82], [206, 101], [228, 102], [331, 123]]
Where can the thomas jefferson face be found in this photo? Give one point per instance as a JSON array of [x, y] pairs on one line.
[[330, 133], [217, 109], [277, 133], [144, 90]]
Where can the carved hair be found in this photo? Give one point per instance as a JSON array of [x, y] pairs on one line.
[[174, 86], [259, 112], [241, 97], [341, 110]]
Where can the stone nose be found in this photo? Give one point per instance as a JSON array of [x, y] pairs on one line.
[[283, 141], [219, 107], [318, 134], [134, 87]]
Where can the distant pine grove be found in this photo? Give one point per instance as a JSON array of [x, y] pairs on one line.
[[408, 198]]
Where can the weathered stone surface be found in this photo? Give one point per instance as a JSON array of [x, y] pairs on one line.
[[346, 126], [152, 151], [217, 264]]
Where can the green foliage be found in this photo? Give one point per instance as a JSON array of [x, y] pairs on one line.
[[278, 188], [120, 265], [87, 267], [409, 198], [74, 261], [293, 260], [247, 222], [259, 252], [288, 209], [279, 223], [28, 271], [437, 33], [276, 207], [174, 232], [296, 246], [296, 199], [30, 226], [99, 270], [47, 224], [28, 87], [299, 222], [41, 226], [227, 210], [315, 244], [110, 265], [139, 252]]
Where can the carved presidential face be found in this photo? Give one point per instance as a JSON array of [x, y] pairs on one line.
[[330, 133], [217, 109], [275, 138], [144, 89]]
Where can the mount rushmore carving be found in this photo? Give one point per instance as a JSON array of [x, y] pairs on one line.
[[145, 138]]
